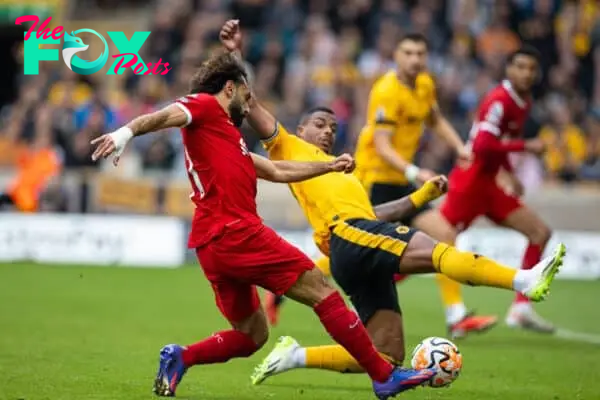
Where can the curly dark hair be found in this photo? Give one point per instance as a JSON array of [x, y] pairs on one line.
[[216, 71]]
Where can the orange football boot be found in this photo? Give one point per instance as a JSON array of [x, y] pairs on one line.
[[272, 305], [472, 323]]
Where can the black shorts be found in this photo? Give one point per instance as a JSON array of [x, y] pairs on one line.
[[364, 256], [384, 192]]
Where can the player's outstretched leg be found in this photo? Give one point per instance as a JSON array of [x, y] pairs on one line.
[[345, 327], [247, 336], [423, 255], [288, 354], [273, 303], [385, 328]]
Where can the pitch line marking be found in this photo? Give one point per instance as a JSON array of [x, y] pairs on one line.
[[577, 336]]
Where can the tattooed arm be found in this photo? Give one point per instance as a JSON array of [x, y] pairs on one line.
[[172, 116]]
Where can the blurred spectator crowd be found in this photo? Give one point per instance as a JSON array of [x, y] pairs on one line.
[[327, 52]]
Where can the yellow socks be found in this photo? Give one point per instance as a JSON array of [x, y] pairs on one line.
[[472, 269], [323, 264], [450, 290], [334, 358]]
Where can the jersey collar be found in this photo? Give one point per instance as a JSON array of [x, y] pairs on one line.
[[513, 94]]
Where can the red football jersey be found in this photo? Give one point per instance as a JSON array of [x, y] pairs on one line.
[[498, 122], [220, 170]]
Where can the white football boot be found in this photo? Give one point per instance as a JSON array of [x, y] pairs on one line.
[[287, 354], [523, 316]]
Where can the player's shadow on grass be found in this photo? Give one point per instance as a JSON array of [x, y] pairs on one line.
[[312, 386]]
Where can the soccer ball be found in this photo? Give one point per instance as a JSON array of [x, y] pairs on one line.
[[440, 354]]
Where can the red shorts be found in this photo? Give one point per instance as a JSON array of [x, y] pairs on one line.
[[239, 260], [461, 208]]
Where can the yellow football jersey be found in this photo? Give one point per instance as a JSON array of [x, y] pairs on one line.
[[393, 104], [326, 200]]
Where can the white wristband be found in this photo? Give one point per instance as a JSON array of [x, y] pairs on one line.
[[120, 137], [411, 172]]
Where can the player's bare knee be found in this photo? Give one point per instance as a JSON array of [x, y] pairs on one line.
[[448, 235], [311, 288], [434, 224], [540, 234], [417, 257]]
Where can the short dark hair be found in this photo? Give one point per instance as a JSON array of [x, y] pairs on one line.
[[525, 50], [216, 71], [414, 37], [306, 116]]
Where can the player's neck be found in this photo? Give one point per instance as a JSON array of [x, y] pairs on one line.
[[522, 94], [223, 102], [406, 79]]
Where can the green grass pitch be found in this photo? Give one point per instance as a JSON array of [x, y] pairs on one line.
[[77, 333]]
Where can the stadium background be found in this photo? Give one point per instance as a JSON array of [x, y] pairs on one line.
[[302, 53]]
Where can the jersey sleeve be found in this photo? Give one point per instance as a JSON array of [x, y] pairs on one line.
[[195, 107], [489, 131], [278, 144], [491, 116], [383, 103]]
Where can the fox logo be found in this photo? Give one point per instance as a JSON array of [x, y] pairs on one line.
[[73, 45]]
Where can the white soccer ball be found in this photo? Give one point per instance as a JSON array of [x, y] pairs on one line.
[[440, 354]]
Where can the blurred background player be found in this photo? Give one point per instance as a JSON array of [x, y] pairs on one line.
[[401, 103], [474, 187]]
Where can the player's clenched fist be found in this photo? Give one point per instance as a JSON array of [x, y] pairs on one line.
[[230, 35], [344, 163], [436, 187]]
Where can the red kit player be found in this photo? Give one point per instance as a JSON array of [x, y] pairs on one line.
[[236, 250], [474, 190]]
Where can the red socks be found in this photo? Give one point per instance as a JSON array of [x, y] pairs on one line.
[[342, 324], [345, 328], [219, 348], [532, 256]]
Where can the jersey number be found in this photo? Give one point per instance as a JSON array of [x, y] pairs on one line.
[[195, 179], [244, 147]]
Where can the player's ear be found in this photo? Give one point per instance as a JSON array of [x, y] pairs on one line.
[[300, 130], [230, 89]]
